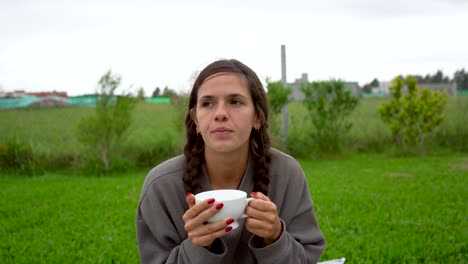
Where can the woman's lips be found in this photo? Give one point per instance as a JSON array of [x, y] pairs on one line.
[[221, 131]]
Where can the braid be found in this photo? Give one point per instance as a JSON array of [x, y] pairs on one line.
[[193, 152], [260, 149]]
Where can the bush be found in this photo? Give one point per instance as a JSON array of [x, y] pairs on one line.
[[413, 115], [278, 97], [162, 150], [329, 104], [17, 157], [103, 131]]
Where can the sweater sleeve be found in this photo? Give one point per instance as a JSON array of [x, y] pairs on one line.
[[158, 238], [301, 240]]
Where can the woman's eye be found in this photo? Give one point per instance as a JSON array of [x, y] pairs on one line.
[[236, 102], [207, 104]]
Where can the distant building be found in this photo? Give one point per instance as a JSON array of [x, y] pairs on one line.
[[448, 88], [22, 99], [14, 94], [298, 95], [48, 94]]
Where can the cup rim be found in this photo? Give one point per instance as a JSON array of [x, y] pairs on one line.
[[210, 194]]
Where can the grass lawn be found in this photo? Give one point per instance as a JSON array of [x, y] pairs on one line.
[[372, 209]]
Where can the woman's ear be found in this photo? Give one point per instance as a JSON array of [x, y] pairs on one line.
[[257, 124], [193, 116]]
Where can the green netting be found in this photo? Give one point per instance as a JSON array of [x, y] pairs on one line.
[[158, 100], [462, 92], [28, 100], [25, 101], [82, 100]]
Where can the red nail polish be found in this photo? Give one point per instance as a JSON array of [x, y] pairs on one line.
[[253, 193], [229, 221], [229, 228], [189, 193], [211, 200], [219, 206]]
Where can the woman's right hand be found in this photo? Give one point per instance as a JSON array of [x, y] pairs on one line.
[[199, 231]]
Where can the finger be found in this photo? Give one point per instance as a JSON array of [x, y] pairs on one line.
[[263, 229], [196, 209], [209, 212], [259, 195], [260, 205], [256, 227], [190, 198], [205, 235], [210, 228], [200, 218]]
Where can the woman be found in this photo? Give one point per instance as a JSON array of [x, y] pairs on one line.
[[228, 147]]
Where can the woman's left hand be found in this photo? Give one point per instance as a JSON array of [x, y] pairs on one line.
[[263, 219]]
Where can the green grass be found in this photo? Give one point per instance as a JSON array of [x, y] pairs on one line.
[[371, 209], [375, 209], [63, 219]]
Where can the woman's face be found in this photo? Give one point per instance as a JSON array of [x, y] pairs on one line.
[[225, 113]]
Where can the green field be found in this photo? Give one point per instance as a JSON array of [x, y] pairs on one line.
[[373, 206], [52, 132], [372, 209]]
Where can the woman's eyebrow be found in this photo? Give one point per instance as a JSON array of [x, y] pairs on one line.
[[211, 97], [236, 95]]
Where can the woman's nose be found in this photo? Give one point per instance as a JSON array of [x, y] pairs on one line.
[[221, 113]]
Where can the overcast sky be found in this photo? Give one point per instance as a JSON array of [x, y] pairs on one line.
[[67, 45]]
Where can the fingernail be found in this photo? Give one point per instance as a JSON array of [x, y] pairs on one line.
[[189, 193], [219, 206], [253, 193], [211, 200], [229, 221], [229, 228]]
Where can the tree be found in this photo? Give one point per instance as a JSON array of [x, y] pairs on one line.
[[375, 83], [329, 103], [278, 95], [167, 92], [102, 131], [367, 88], [156, 92], [438, 77], [412, 115], [461, 79], [141, 94]]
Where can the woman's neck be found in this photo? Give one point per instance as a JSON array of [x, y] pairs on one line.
[[225, 171]]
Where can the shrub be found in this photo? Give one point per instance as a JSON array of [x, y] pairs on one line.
[[163, 149], [329, 104], [278, 97], [413, 115], [17, 157], [103, 131]]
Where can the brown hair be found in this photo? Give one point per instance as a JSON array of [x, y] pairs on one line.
[[259, 139]]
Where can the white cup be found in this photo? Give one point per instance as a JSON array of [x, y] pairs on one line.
[[234, 201]]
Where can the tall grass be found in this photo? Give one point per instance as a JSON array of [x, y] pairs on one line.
[[453, 132], [52, 134], [157, 133]]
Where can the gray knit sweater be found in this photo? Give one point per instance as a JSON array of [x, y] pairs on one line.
[[163, 239]]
